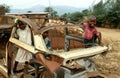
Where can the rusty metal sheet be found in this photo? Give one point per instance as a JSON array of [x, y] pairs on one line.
[[51, 64]]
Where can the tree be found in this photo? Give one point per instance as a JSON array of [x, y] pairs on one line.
[[53, 13], [29, 11], [76, 16], [85, 12], [99, 11], [66, 16], [109, 12], [7, 8], [113, 12]]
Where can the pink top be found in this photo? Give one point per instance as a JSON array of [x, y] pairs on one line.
[[89, 32]]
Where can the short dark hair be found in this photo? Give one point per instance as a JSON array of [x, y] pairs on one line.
[[46, 32], [92, 17], [20, 22]]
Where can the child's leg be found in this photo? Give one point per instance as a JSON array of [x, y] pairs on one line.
[[15, 66]]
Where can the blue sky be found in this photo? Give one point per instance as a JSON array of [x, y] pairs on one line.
[[29, 3]]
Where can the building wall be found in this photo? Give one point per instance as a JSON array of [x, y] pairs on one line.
[[2, 10], [39, 19]]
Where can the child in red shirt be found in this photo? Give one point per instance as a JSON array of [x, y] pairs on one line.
[[90, 32]]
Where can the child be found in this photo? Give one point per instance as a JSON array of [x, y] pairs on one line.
[[90, 32]]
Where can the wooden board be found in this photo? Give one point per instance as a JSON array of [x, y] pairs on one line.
[[81, 53]]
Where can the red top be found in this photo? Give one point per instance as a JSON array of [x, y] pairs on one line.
[[89, 32]]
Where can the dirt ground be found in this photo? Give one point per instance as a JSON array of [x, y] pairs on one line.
[[107, 64]]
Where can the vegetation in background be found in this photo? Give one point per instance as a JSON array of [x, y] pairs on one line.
[[53, 13], [7, 8], [99, 11], [107, 13]]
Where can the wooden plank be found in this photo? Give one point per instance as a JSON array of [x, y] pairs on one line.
[[80, 53], [23, 45], [5, 26], [40, 44]]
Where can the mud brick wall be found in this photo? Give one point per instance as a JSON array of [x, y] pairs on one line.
[[2, 10], [57, 40]]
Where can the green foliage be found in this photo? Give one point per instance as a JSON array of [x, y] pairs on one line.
[[76, 16], [53, 13], [85, 12], [29, 11], [113, 13], [7, 8], [99, 11], [108, 11], [64, 15]]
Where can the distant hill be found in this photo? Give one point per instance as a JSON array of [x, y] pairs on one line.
[[40, 8]]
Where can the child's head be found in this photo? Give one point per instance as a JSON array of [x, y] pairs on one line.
[[92, 21], [21, 25], [45, 34]]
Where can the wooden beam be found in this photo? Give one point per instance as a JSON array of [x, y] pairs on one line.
[[23, 45], [82, 53]]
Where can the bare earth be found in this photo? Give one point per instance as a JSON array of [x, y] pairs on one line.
[[108, 64]]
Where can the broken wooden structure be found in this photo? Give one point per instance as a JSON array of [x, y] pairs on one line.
[[51, 60]]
